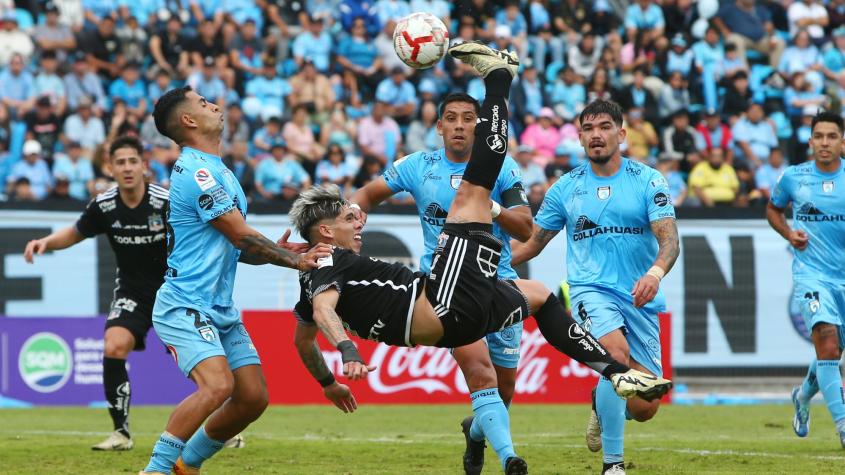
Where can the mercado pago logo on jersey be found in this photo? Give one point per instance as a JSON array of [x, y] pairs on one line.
[[45, 362]]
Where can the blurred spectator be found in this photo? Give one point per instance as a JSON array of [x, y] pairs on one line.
[[710, 65], [769, 173], [422, 133], [339, 129], [647, 17], [834, 56], [370, 170], [82, 82], [169, 49], [439, 8], [21, 190], [237, 160], [208, 42], [716, 134], [315, 44], [335, 169], [352, 9], [207, 10], [571, 18], [835, 14], [668, 167], [43, 126], [532, 173], [803, 56], [734, 63], [265, 94], [535, 195], [102, 48], [130, 89], [566, 95], [737, 97], [133, 40], [161, 83], [52, 35], [599, 86], [713, 181], [584, 55], [808, 15], [542, 136], [559, 166], [543, 37], [679, 58], [83, 127], [747, 194], [34, 169], [801, 94], [235, 128], [14, 41], [674, 96], [748, 24], [17, 87], [679, 16], [681, 142], [516, 23], [280, 176], [71, 13], [48, 84], [267, 135], [300, 140], [357, 53], [378, 136], [312, 89], [399, 96], [77, 171], [528, 96], [641, 136], [245, 51], [637, 95], [97, 10]]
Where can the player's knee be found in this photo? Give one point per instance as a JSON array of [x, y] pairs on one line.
[[217, 390], [620, 354], [642, 410], [535, 292], [118, 348], [479, 375], [255, 398]]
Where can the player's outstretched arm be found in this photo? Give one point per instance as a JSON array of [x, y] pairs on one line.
[[777, 220], [61, 239], [525, 251], [372, 194], [305, 339], [331, 325], [518, 222], [666, 232], [257, 249]]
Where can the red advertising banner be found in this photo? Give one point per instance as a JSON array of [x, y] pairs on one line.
[[422, 374]]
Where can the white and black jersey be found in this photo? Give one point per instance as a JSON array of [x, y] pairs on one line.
[[136, 235], [376, 298]]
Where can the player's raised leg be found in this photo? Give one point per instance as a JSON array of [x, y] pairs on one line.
[[470, 213]]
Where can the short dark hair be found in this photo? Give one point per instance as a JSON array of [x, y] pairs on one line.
[[458, 97], [164, 108], [827, 116], [601, 106], [126, 141]]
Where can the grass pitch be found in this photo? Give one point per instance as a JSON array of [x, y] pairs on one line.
[[423, 439]]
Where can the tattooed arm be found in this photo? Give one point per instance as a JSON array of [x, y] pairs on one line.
[[522, 252], [257, 249], [305, 339], [666, 233], [326, 317]]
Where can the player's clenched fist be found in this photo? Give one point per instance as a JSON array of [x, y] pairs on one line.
[[798, 239]]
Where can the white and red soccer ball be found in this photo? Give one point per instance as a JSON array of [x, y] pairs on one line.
[[420, 40]]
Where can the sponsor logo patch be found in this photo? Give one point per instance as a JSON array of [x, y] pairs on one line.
[[205, 201], [661, 199], [204, 179]]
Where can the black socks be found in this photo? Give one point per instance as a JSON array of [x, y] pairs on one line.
[[116, 385]]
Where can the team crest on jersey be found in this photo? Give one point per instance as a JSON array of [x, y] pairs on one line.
[[455, 181], [155, 222], [827, 186], [603, 192]]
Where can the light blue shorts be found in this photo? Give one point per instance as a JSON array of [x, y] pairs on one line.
[[601, 312], [821, 302], [194, 334], [504, 346]]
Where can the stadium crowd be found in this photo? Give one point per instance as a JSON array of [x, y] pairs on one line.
[[718, 95]]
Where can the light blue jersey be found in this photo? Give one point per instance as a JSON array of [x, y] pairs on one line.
[[608, 226], [818, 203], [201, 261], [433, 180]]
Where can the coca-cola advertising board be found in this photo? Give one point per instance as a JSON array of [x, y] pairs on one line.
[[421, 374]]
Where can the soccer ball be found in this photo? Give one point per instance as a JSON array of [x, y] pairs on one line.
[[420, 40]]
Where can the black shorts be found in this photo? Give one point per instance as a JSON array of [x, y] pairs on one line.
[[132, 313], [464, 288]]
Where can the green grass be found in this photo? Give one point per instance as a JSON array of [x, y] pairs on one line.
[[427, 440]]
